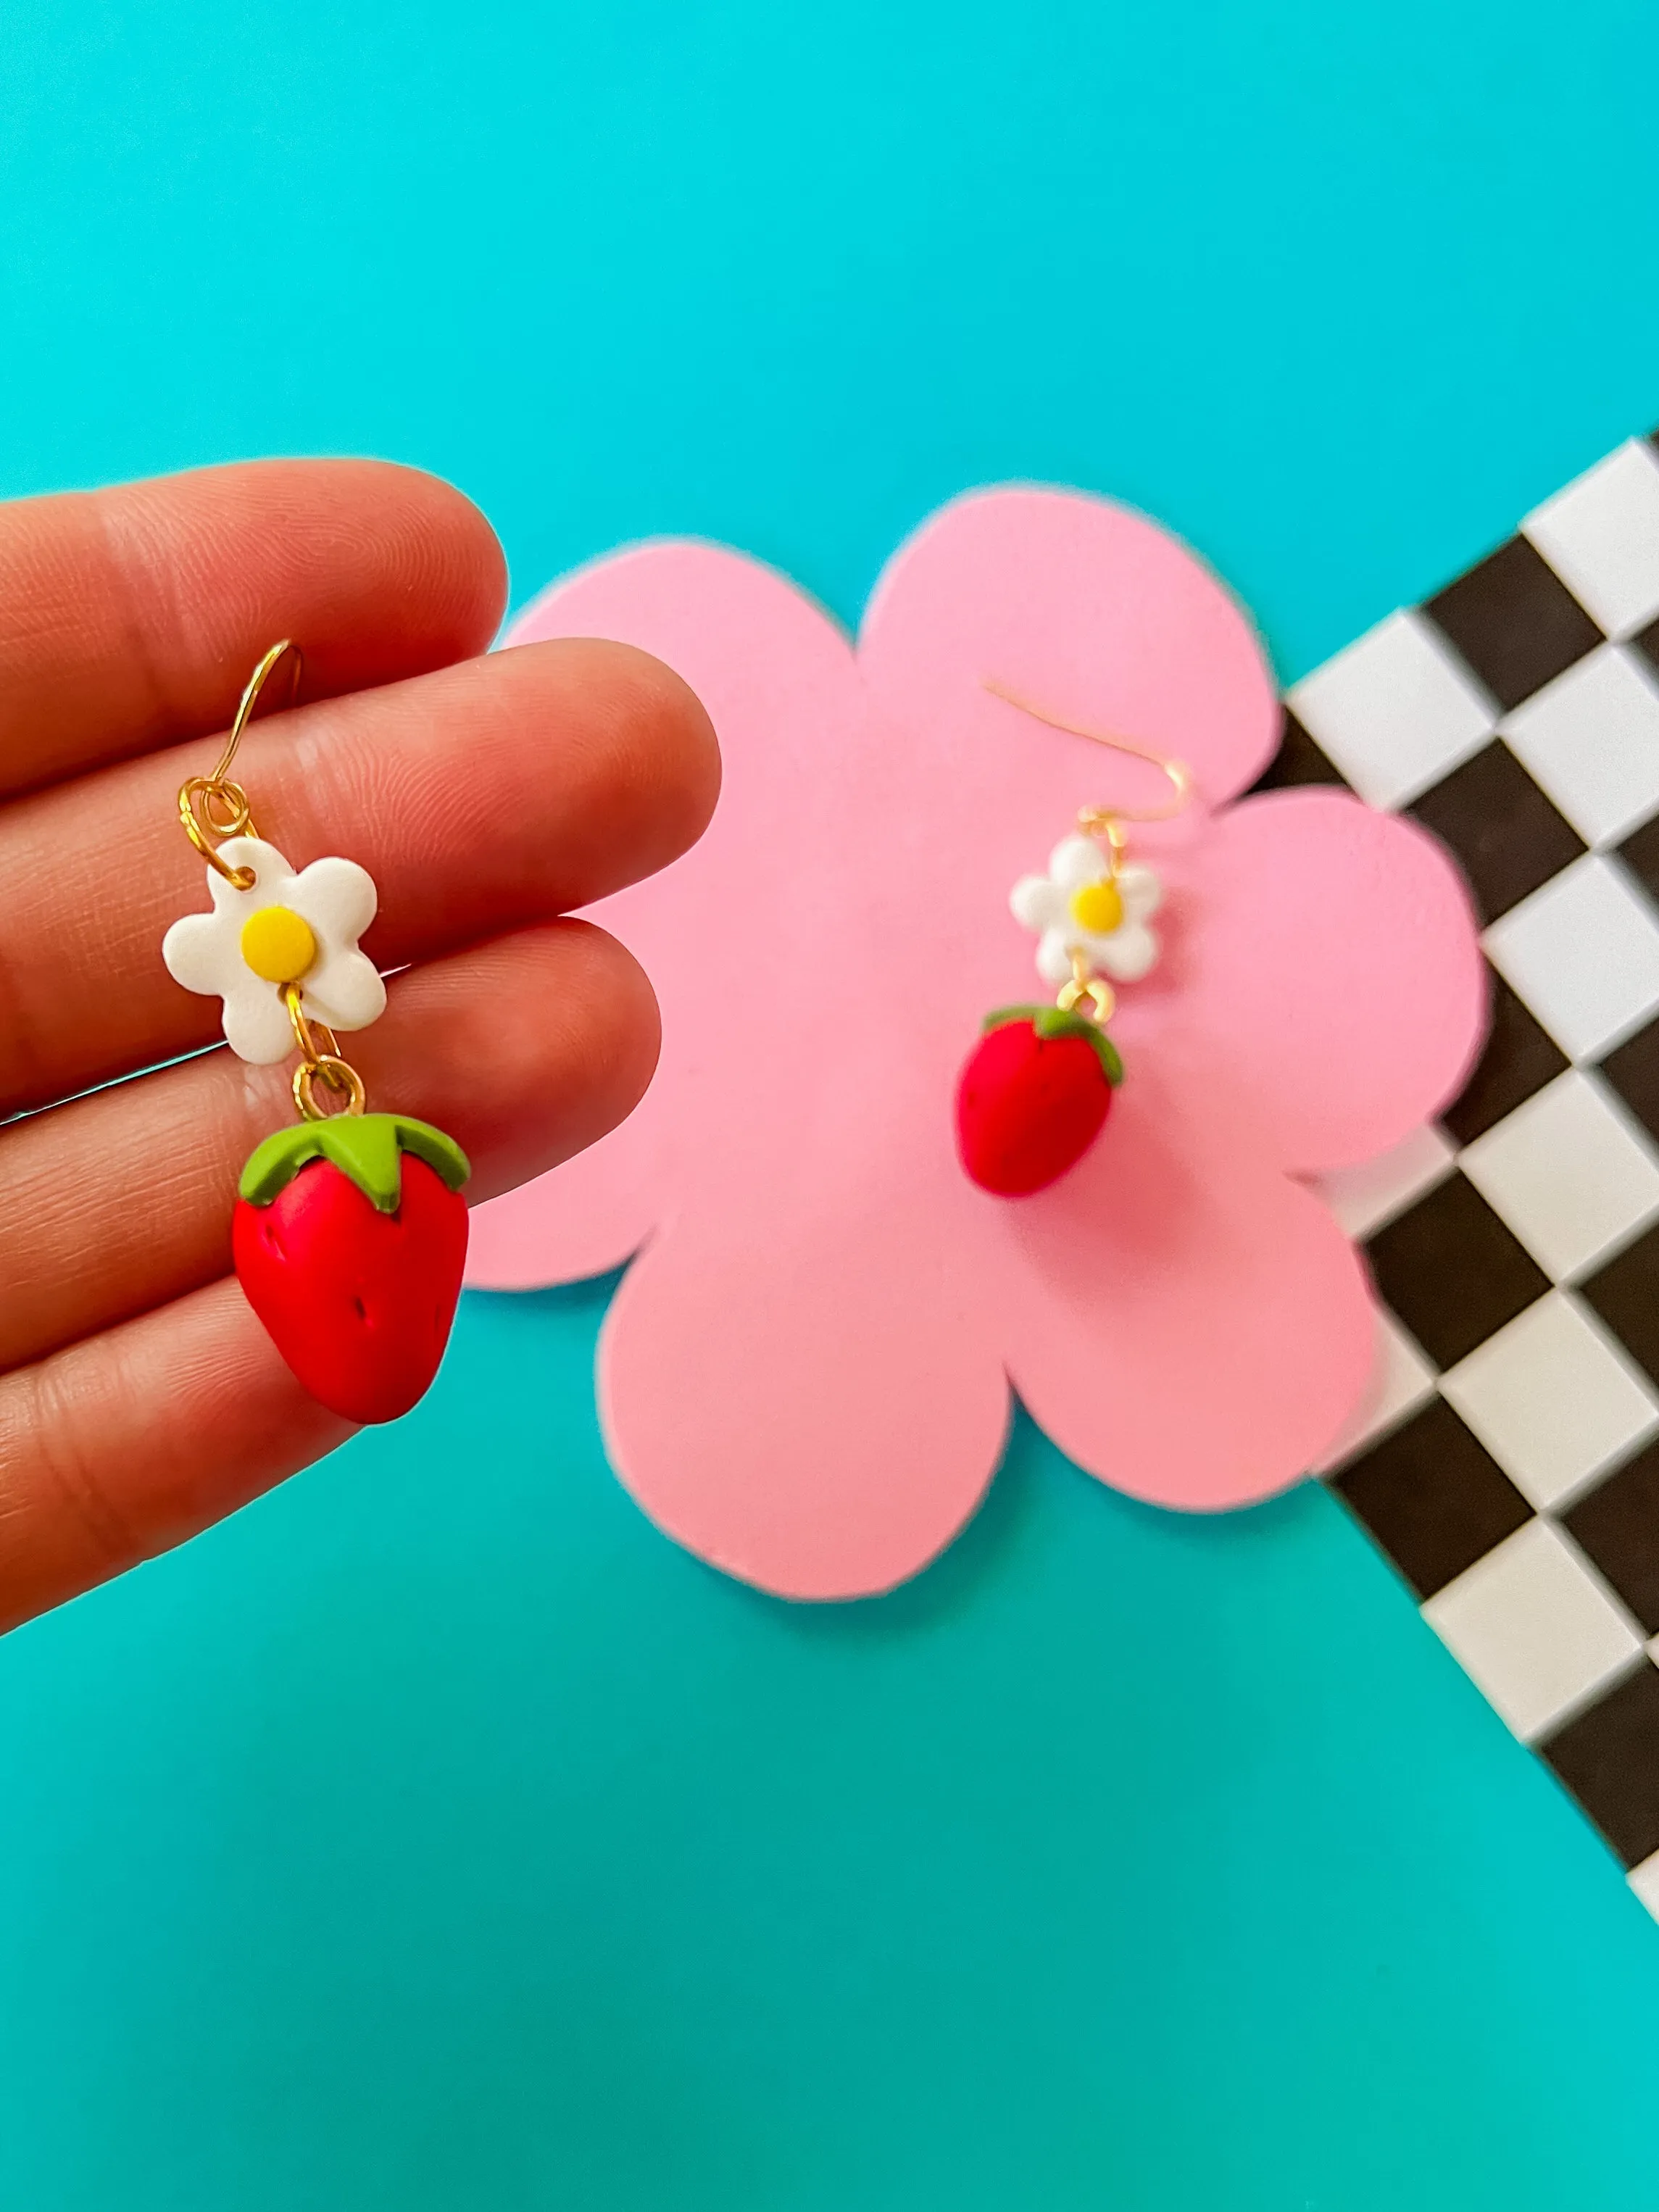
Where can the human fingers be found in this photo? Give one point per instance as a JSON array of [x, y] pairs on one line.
[[524, 1049], [481, 798], [130, 618], [127, 1442]]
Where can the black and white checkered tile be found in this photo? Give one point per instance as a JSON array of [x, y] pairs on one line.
[[1509, 1462]]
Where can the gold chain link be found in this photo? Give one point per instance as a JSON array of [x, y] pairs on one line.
[[1085, 985], [319, 1054]]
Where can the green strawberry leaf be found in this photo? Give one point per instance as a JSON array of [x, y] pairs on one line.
[[367, 1147], [1111, 1059], [1058, 1022]]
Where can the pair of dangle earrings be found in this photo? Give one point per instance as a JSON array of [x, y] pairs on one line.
[[350, 1231], [1037, 1088]]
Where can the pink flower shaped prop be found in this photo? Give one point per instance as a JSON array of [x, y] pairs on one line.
[[806, 1374]]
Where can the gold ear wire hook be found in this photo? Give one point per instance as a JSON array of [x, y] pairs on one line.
[[1096, 821], [199, 795]]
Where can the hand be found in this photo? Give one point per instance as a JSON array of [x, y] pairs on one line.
[[139, 1398]]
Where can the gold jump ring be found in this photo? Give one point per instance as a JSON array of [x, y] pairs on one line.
[[339, 1074]]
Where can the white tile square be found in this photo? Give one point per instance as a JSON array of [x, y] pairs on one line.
[[1363, 1198], [1569, 1171], [1602, 538], [1553, 1398], [1393, 710], [1584, 953], [1401, 1380], [1591, 739], [1536, 1626], [1644, 1881]]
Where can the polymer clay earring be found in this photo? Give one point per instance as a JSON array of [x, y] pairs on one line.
[[1035, 1090], [350, 1230]]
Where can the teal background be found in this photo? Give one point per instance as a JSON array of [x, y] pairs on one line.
[[434, 1834]]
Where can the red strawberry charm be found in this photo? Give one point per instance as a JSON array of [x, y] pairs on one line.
[[1033, 1097], [350, 1236]]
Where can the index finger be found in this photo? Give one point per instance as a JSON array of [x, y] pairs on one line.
[[131, 618]]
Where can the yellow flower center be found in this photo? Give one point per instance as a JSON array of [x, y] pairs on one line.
[[1098, 908], [277, 944]]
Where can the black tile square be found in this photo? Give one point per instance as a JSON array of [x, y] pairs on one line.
[[1505, 834], [1433, 1497], [1633, 1072], [1625, 1293], [1452, 1272], [1518, 1058], [1513, 621], [1298, 760], [1640, 854], [1618, 1525], [1646, 643], [1609, 1758]]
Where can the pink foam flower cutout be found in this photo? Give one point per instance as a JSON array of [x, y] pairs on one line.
[[807, 1372]]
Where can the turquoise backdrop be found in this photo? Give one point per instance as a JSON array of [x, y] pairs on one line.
[[434, 1835]]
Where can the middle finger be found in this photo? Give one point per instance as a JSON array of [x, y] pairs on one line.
[[490, 795]]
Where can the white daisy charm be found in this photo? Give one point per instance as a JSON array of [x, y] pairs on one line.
[[283, 928], [1080, 906]]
